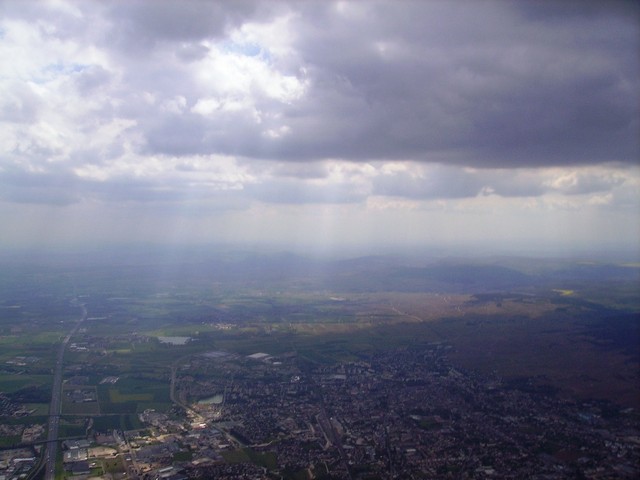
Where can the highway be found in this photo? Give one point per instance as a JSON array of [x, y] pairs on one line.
[[51, 449]]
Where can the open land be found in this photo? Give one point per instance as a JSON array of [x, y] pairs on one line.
[[285, 367]]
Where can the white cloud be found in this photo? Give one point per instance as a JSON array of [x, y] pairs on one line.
[[228, 74], [206, 106]]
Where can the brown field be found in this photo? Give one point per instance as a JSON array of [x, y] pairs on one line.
[[515, 337]]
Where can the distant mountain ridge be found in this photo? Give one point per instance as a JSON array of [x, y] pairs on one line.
[[372, 273]]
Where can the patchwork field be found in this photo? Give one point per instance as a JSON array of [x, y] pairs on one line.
[[565, 335]]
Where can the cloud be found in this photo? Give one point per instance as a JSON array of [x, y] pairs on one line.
[[288, 170], [480, 85], [39, 187], [19, 104], [89, 79], [466, 84], [446, 182], [139, 26], [577, 183], [432, 183], [158, 181], [292, 192], [195, 107]]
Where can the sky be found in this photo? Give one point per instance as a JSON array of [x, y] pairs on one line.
[[504, 126]]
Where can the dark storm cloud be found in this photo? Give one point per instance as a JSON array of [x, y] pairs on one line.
[[190, 52], [171, 120], [560, 11], [470, 83], [497, 86], [487, 84], [139, 25]]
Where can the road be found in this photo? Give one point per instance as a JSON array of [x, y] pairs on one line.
[[51, 449], [172, 390]]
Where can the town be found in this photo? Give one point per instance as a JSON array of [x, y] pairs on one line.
[[406, 413], [135, 379]]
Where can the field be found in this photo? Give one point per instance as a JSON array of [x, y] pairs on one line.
[[572, 333]]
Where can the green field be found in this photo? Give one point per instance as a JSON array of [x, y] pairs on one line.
[[267, 459], [9, 441], [104, 423], [71, 426], [87, 408], [13, 383], [116, 396], [131, 395]]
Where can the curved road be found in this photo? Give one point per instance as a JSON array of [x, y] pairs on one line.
[[51, 449]]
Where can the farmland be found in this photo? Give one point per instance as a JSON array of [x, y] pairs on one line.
[[161, 343]]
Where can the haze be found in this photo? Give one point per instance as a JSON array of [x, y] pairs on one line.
[[493, 126]]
